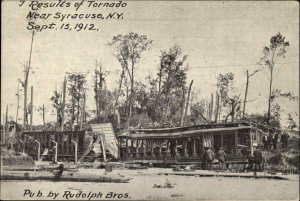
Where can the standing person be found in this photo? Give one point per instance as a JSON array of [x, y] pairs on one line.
[[210, 156], [204, 159], [270, 141], [265, 141], [284, 140], [258, 159], [221, 158]]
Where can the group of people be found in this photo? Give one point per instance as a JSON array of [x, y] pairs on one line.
[[270, 141], [284, 140], [208, 158]]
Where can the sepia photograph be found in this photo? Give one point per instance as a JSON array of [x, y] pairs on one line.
[[149, 100]]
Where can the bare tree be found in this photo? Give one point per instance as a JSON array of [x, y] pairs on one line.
[[99, 88], [63, 104], [276, 49], [31, 109], [188, 100], [246, 91], [18, 101], [27, 67], [182, 105]]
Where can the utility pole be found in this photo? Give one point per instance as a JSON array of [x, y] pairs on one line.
[[31, 109], [96, 91], [6, 114], [246, 92], [63, 105], [25, 95], [211, 106], [18, 103], [43, 115], [4, 133]]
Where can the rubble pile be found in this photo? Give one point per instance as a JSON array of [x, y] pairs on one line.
[[282, 161], [9, 157]]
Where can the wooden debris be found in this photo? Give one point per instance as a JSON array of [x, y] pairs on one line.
[[75, 177]]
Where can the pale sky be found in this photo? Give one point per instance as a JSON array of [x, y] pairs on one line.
[[218, 37]]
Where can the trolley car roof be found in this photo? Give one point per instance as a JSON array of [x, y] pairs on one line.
[[181, 133]]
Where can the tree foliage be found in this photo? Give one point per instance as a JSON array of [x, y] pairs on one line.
[[169, 87], [230, 101], [56, 103], [76, 90], [128, 50], [291, 122]]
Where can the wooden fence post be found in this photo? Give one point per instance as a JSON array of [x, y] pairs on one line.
[[39, 150], [55, 156], [76, 148]]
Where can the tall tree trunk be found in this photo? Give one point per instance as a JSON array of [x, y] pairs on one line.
[[246, 92], [232, 113], [182, 106], [100, 90], [270, 93], [43, 115], [31, 108], [6, 115], [270, 89], [131, 101], [73, 113], [18, 103], [4, 130], [209, 112], [187, 101], [120, 86], [63, 105], [96, 93], [6, 120], [27, 69], [117, 113], [25, 99], [116, 107], [82, 119], [78, 111], [57, 115], [159, 82], [211, 106], [217, 107], [84, 103]]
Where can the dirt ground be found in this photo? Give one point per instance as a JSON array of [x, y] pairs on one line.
[[141, 188]]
